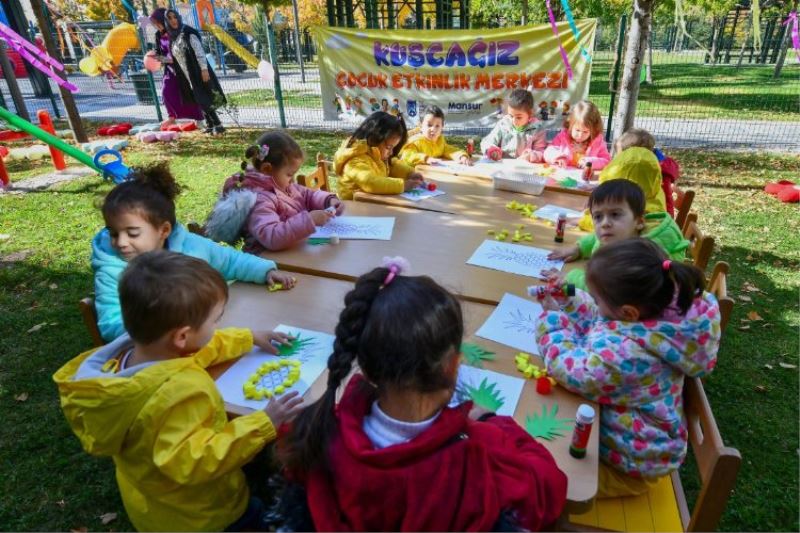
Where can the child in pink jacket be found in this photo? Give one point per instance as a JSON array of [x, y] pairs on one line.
[[264, 205], [581, 140]]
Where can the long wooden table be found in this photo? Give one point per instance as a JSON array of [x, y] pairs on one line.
[[436, 244], [474, 197], [315, 303]]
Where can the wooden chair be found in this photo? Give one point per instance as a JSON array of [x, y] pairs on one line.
[[317, 180], [718, 286], [700, 246], [664, 507], [196, 228], [89, 314], [691, 217], [683, 204]]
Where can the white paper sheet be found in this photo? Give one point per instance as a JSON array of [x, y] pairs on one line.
[[513, 323], [419, 194], [364, 228], [507, 388], [314, 357], [513, 258], [550, 212]]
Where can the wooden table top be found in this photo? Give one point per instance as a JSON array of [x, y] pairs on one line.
[[436, 244], [315, 303], [474, 197]]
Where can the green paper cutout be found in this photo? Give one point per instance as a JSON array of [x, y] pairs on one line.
[[414, 192], [295, 345], [545, 425], [485, 395], [316, 241], [475, 354], [568, 183]]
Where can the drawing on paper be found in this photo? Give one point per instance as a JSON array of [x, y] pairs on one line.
[[522, 258], [347, 227], [513, 258], [520, 322], [513, 323]]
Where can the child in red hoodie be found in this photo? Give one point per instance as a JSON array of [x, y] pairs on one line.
[[670, 170], [393, 455]]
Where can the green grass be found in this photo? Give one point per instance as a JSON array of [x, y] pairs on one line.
[[49, 483], [683, 87], [266, 98]]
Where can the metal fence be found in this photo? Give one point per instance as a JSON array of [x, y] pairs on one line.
[[690, 100]]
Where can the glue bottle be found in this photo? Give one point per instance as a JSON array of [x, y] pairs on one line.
[[565, 290], [470, 147], [561, 225], [587, 172], [584, 419]]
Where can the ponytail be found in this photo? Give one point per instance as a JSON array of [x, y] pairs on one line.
[[311, 430], [637, 272], [274, 147], [151, 189]]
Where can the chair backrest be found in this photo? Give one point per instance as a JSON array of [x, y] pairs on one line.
[[717, 464], [89, 314], [196, 228], [683, 204], [700, 246], [691, 217], [718, 286], [317, 180]]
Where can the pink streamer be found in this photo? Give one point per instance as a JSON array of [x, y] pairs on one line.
[[32, 55], [792, 19], [560, 47], [38, 64], [8, 34]]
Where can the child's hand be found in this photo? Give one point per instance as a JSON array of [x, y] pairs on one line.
[[338, 205], [495, 153], [565, 254], [561, 162], [276, 276], [413, 181], [320, 216], [477, 411], [266, 340], [553, 275], [284, 408], [204, 74], [466, 160], [535, 156], [550, 304]]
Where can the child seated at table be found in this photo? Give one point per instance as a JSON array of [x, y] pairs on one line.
[[369, 160], [140, 217], [670, 170], [264, 205], [519, 134], [428, 145], [617, 208], [393, 455], [581, 141], [646, 326], [146, 401], [640, 166]]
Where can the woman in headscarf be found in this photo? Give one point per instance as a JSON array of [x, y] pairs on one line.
[[177, 105], [196, 76]]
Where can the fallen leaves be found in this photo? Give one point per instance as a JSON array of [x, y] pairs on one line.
[[760, 388], [107, 518], [22, 397], [749, 287], [53, 286], [37, 327], [754, 316], [744, 298], [787, 365]]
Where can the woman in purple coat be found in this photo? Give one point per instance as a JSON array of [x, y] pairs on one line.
[[171, 93]]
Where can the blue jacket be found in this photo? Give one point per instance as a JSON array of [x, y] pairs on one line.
[[108, 266]]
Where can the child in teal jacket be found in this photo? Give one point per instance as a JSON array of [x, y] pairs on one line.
[[140, 217]]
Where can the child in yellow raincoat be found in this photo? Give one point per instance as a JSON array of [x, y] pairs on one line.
[[428, 145], [146, 401], [368, 161], [640, 166]]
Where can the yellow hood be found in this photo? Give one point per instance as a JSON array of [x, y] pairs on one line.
[[101, 407], [640, 166], [358, 148]]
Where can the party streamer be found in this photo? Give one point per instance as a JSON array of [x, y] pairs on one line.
[[575, 31], [560, 47]]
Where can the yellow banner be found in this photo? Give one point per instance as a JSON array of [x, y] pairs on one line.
[[468, 73]]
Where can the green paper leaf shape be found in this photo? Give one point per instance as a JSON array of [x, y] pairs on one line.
[[475, 354], [295, 345], [485, 395], [545, 425]]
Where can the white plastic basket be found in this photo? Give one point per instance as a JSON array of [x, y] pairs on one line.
[[519, 180]]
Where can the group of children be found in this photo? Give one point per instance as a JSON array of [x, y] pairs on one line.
[[390, 454]]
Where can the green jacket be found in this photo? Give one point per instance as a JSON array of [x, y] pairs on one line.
[[658, 227]]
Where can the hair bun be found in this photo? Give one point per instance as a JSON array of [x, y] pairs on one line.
[[158, 176]]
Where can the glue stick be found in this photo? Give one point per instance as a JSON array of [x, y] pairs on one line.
[[587, 172], [583, 428], [561, 225]]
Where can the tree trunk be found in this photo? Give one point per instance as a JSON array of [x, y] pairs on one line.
[[649, 71], [782, 54], [637, 40], [524, 12], [75, 123], [714, 39], [744, 44], [13, 86]]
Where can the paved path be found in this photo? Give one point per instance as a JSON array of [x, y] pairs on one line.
[[97, 101]]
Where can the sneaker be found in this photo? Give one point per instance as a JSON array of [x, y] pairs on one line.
[[209, 130], [219, 130]]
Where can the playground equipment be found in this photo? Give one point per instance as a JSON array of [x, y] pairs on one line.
[[108, 56], [228, 40], [114, 170], [36, 57], [32, 152], [94, 147]]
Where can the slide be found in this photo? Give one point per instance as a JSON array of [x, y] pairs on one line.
[[226, 39], [109, 54]]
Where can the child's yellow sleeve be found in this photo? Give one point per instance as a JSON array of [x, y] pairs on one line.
[[413, 155], [226, 344], [361, 170], [399, 169], [452, 152]]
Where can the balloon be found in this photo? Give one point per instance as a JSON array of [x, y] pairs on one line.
[[266, 72], [151, 63]]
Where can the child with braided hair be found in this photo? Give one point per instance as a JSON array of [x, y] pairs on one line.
[[392, 455]]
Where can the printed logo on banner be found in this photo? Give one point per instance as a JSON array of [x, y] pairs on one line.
[[467, 73]]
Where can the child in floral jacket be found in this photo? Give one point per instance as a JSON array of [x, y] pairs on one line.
[[650, 325]]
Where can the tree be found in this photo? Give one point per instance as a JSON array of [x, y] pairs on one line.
[[311, 12], [102, 9], [267, 5]]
